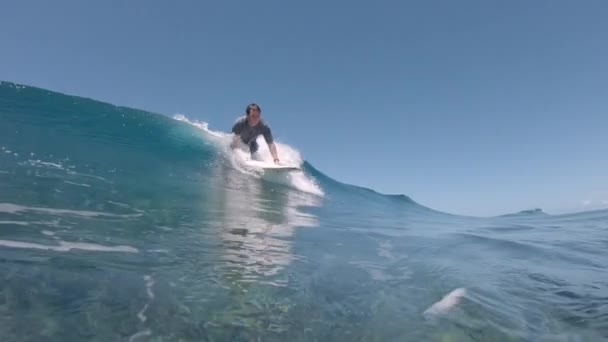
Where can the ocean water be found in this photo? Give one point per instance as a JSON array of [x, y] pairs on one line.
[[122, 225]]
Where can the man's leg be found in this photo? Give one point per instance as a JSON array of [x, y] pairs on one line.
[[253, 148]]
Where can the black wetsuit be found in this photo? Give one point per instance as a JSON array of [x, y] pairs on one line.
[[249, 134]]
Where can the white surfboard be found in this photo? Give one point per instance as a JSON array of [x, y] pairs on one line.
[[271, 166]]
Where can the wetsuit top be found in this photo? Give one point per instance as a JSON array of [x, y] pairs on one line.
[[248, 134]]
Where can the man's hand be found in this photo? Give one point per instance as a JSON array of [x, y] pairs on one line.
[[273, 151], [233, 142]]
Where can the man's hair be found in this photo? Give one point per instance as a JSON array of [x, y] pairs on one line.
[[252, 105]]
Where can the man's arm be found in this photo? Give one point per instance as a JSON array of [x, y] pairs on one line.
[[271, 146], [237, 128], [234, 141], [273, 150]]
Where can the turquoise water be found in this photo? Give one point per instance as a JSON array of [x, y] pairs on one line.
[[122, 225]]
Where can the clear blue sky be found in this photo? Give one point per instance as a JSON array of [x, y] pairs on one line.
[[470, 107]]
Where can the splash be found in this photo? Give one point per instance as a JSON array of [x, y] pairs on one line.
[[447, 303], [289, 155]]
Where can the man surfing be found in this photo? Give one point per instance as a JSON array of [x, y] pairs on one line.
[[249, 127]]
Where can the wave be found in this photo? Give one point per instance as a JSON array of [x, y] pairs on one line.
[[87, 127], [527, 213]]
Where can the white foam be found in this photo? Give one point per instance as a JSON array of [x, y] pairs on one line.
[[149, 282], [78, 184], [287, 154], [385, 250], [123, 205], [141, 314], [70, 171], [14, 208], [301, 182], [183, 118], [9, 208], [377, 272], [25, 223], [158, 250], [446, 303], [142, 333], [19, 223], [90, 176], [48, 164], [67, 246]]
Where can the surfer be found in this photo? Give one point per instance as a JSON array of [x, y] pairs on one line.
[[249, 127]]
